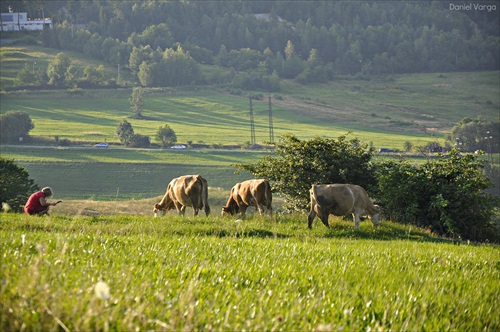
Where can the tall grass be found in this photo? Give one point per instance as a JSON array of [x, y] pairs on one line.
[[219, 274]]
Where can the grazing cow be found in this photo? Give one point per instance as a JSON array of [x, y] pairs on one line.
[[339, 200], [186, 190], [256, 193]]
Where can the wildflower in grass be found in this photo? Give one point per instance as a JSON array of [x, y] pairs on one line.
[[5, 207], [40, 247], [348, 312], [102, 290], [324, 328]]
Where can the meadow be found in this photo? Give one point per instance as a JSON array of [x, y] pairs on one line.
[[383, 111], [124, 174], [173, 273], [211, 117], [101, 262], [411, 108]]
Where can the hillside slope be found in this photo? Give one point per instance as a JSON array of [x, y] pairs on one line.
[[384, 110]]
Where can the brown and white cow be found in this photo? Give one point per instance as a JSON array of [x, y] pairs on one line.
[[186, 190], [256, 193], [339, 200]]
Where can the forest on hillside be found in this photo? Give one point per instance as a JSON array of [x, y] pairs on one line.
[[260, 42]]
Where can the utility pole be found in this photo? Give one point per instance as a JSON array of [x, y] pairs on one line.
[[271, 129], [252, 124]]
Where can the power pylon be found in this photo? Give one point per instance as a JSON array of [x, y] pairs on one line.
[[271, 129], [252, 124]]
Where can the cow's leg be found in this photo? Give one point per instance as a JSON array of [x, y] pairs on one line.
[[181, 209], [261, 208], [324, 219], [243, 210], [310, 218], [323, 214], [356, 220]]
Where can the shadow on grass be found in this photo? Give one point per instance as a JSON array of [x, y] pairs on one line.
[[226, 233], [258, 233], [387, 231]]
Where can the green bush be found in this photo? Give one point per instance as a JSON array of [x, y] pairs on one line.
[[300, 164], [15, 185], [15, 126], [139, 141], [446, 196], [166, 136]]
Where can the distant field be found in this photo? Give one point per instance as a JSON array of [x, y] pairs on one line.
[[118, 181], [207, 117], [383, 111], [206, 157], [122, 174], [14, 57]]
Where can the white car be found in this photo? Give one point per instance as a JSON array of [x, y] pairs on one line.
[[102, 145], [178, 147]]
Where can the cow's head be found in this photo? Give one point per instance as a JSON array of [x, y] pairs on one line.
[[228, 211], [158, 210], [375, 215], [231, 207]]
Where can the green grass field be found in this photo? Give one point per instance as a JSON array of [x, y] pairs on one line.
[[213, 273], [124, 174], [209, 117], [175, 273], [385, 111]]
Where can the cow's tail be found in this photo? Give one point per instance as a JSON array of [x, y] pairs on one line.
[[204, 194], [312, 193], [312, 212]]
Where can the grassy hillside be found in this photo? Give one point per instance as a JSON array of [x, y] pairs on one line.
[[14, 57], [171, 273], [386, 111], [204, 116]]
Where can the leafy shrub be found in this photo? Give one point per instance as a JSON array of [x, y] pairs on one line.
[[446, 196], [300, 164], [166, 136], [15, 185], [125, 132], [15, 125], [139, 141], [476, 134]]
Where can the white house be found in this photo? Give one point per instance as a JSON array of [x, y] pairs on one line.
[[20, 21]]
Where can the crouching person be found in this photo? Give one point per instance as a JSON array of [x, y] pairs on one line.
[[37, 203]]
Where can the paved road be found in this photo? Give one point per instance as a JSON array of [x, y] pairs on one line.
[[6, 41], [124, 148]]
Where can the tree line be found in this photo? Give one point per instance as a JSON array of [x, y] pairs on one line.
[[263, 41]]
